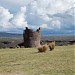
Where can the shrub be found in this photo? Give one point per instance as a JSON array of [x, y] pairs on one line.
[[52, 45], [40, 49], [2, 45], [43, 48]]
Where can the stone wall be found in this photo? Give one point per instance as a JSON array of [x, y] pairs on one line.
[[31, 38]]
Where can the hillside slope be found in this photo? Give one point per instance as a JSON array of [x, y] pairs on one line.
[[27, 61]]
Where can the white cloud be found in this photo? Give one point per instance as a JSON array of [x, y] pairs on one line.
[[5, 17], [45, 17], [71, 11], [44, 26], [9, 21], [19, 19], [56, 24], [38, 11], [14, 5], [43, 7], [35, 13], [16, 2]]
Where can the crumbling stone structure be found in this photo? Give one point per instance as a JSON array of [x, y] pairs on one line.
[[31, 38]]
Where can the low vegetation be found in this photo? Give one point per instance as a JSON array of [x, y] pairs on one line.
[[27, 61], [43, 48], [9, 42], [52, 45]]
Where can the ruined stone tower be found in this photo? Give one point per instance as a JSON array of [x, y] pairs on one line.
[[31, 38]]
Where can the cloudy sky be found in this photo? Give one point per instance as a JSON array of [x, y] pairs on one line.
[[53, 16]]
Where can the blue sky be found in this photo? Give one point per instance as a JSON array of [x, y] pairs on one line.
[[53, 16]]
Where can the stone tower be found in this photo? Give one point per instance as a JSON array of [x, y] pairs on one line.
[[31, 38]]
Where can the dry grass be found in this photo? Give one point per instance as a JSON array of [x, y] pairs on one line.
[[27, 61], [52, 45], [43, 48]]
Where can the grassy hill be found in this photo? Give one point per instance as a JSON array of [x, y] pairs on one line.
[[59, 38], [4, 34], [43, 37], [27, 61]]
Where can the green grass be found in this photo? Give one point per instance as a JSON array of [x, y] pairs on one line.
[[60, 61]]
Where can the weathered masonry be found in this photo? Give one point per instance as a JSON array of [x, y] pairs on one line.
[[31, 38]]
